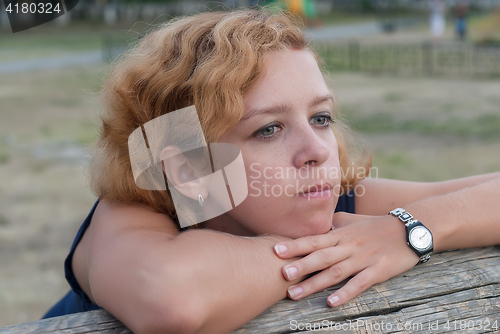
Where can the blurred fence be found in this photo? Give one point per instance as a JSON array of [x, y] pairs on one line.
[[453, 59], [420, 59]]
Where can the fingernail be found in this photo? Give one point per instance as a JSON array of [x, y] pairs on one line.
[[334, 300], [295, 291], [291, 272], [280, 249]]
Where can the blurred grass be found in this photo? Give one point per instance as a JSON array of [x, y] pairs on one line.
[[482, 126], [4, 153], [41, 45], [61, 39], [50, 40], [423, 129], [48, 106], [435, 161]]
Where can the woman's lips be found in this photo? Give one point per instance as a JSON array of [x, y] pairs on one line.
[[317, 191], [317, 194]]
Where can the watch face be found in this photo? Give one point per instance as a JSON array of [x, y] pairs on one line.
[[420, 237]]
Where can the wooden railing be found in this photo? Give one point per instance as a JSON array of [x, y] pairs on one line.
[[455, 292]]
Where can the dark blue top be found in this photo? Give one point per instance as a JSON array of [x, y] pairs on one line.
[[77, 301]]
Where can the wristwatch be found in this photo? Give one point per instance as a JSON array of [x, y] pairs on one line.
[[418, 237]]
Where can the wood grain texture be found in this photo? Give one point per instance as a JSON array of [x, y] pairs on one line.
[[455, 285], [455, 292], [98, 321]]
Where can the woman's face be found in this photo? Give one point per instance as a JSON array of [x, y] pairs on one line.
[[290, 152]]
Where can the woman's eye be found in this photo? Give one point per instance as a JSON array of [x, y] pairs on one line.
[[320, 120], [324, 120], [267, 131]]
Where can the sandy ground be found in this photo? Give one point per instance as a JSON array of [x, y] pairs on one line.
[[47, 117]]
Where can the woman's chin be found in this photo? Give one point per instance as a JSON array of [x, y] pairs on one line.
[[312, 228]]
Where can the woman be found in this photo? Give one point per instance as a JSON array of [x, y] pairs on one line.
[[256, 84]]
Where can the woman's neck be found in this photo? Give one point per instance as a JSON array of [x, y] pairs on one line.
[[224, 223]]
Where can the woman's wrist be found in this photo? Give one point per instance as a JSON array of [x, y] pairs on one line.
[[435, 220]]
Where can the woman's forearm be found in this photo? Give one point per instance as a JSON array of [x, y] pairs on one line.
[[379, 196], [199, 281], [233, 278], [465, 218], [444, 187]]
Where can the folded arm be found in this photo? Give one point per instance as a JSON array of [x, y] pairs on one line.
[[155, 279], [372, 247], [379, 196]]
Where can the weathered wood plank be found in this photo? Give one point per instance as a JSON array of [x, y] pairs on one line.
[[445, 274], [453, 286], [98, 321], [436, 316]]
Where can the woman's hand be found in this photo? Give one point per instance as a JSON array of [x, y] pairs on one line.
[[370, 248]]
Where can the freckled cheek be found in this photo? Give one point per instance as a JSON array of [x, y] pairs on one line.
[[267, 183], [260, 214], [260, 166], [335, 161]]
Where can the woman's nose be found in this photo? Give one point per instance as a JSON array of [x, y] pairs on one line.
[[311, 149]]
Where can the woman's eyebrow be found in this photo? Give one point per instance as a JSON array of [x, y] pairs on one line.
[[284, 107], [271, 110], [321, 99]]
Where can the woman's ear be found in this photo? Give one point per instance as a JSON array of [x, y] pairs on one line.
[[180, 173]]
